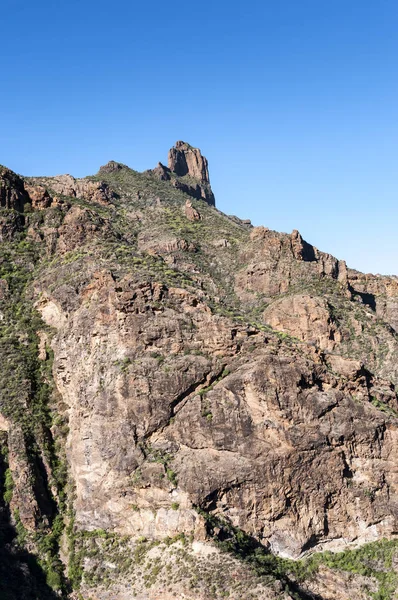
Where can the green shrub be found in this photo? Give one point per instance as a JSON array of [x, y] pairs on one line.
[[8, 486]]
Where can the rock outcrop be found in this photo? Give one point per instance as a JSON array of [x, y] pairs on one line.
[[111, 167], [187, 171], [191, 213], [305, 317], [378, 292], [183, 160], [12, 191], [92, 191], [39, 196]]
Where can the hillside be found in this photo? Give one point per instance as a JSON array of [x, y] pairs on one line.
[[190, 407]]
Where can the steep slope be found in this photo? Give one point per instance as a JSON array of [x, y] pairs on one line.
[[191, 407]]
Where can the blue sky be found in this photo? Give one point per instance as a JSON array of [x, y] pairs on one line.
[[294, 103]]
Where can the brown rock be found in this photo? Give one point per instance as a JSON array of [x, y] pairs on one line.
[[164, 244], [378, 292], [185, 160], [306, 318], [111, 167], [12, 191], [63, 184], [39, 196], [77, 228], [275, 261], [259, 233], [11, 224], [196, 190], [23, 497], [161, 172], [42, 347], [341, 585], [345, 366], [188, 163], [92, 191], [221, 243], [190, 212], [243, 449]]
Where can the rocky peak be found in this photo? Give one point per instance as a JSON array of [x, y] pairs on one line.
[[111, 167], [162, 172], [185, 160], [187, 171]]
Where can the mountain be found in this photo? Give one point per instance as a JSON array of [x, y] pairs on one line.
[[190, 406]]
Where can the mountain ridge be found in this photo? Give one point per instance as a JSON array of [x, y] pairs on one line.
[[189, 377]]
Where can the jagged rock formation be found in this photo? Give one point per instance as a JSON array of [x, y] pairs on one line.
[[185, 160], [12, 192], [380, 293], [66, 185], [111, 167], [188, 171], [190, 212], [176, 381]]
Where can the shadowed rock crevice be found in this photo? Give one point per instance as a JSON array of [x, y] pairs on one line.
[[196, 388], [21, 577], [368, 299], [41, 487], [12, 191]]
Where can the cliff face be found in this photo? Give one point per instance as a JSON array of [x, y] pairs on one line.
[[12, 192], [185, 160], [189, 405]]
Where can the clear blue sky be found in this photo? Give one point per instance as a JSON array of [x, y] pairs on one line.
[[295, 104]]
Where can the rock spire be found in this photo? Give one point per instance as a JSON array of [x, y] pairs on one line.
[[185, 160]]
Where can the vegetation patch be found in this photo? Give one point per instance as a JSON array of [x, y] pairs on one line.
[[373, 560]]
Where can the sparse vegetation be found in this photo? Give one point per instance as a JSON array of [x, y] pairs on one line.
[[373, 560]]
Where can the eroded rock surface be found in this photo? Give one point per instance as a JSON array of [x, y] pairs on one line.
[[12, 191], [187, 171], [185, 160], [92, 191], [190, 383]]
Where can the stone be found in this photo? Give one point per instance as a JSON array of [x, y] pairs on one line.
[[39, 196], [190, 212], [165, 244], [187, 163], [305, 317], [11, 225], [185, 160], [12, 191], [111, 167], [92, 191], [221, 243], [161, 172]]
